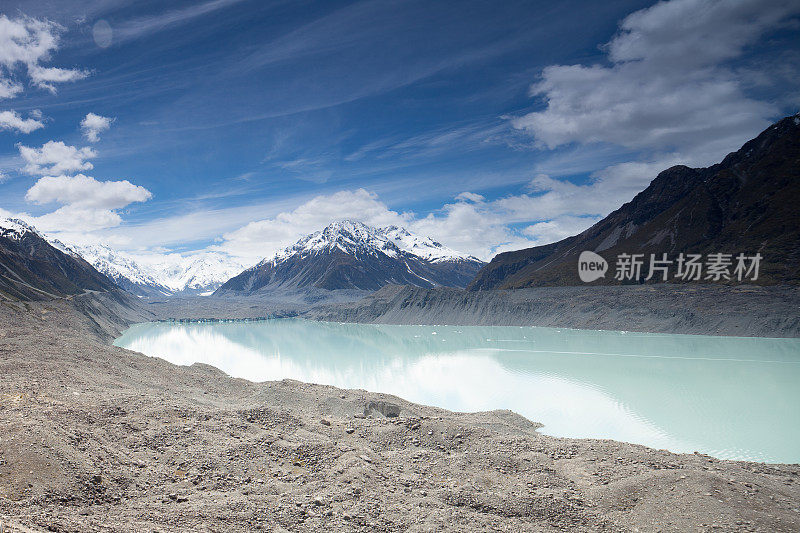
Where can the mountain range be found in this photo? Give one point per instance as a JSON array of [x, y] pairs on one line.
[[33, 269], [351, 255], [165, 275], [747, 204]]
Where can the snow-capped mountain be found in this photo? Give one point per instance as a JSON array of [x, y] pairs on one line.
[[423, 247], [162, 275], [351, 255], [122, 269], [200, 273], [33, 269], [14, 229]]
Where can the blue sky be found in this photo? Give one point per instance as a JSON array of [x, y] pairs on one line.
[[237, 126]]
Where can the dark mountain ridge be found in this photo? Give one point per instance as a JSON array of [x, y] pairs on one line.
[[32, 269], [746, 204]]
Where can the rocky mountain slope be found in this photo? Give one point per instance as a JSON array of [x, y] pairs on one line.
[[706, 309], [351, 255], [33, 269], [745, 204], [122, 270]]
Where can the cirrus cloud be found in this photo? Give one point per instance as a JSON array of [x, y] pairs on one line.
[[29, 42]]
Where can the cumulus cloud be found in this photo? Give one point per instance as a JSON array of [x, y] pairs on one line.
[[668, 94], [572, 205], [28, 42], [86, 191], [11, 120], [93, 124], [87, 204], [262, 238], [469, 224], [76, 219], [8, 88], [477, 228], [55, 157], [667, 87]]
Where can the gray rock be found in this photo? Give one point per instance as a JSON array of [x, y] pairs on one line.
[[387, 409]]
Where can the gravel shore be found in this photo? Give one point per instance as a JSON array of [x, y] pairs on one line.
[[98, 438]]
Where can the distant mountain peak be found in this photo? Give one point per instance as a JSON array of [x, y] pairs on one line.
[[355, 237], [14, 228], [349, 254]]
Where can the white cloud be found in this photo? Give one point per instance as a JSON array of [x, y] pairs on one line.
[[262, 238], [85, 191], [467, 196], [55, 157], [696, 33], [558, 228], [28, 42], [550, 198], [11, 120], [476, 226], [88, 204], [667, 88], [9, 89], [76, 219], [45, 77], [667, 97], [93, 124]]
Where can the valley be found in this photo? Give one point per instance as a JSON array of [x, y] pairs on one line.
[[102, 437]]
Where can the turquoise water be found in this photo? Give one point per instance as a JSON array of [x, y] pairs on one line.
[[730, 397]]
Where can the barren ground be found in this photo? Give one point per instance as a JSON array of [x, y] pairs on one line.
[[98, 438]]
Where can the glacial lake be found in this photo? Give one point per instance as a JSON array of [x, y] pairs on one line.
[[729, 397]]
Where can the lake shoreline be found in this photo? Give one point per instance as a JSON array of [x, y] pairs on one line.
[[566, 379], [98, 436]]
